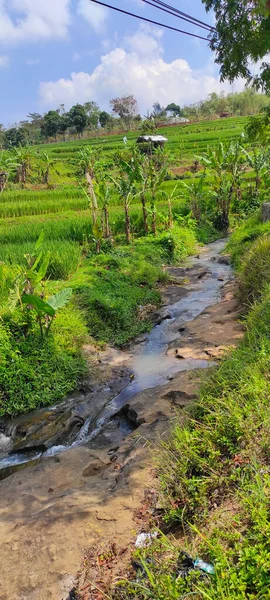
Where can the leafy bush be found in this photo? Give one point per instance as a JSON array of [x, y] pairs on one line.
[[34, 374], [255, 271]]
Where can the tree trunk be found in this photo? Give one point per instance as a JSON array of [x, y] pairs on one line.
[[127, 224], [92, 195], [257, 183], [45, 176], [18, 175], [3, 182], [23, 179], [154, 217], [170, 215], [106, 222], [145, 224]]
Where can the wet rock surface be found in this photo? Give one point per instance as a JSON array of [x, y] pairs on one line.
[[87, 496]]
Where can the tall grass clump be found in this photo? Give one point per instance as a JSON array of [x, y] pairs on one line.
[[255, 271], [35, 373], [243, 237], [65, 257]]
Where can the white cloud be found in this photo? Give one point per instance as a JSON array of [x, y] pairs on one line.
[[95, 14], [33, 20], [146, 41], [31, 62], [4, 62], [137, 69]]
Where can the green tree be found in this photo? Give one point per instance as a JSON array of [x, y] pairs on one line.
[[64, 124], [15, 136], [104, 119], [242, 36], [258, 127], [126, 107], [78, 118], [52, 121], [93, 112], [174, 109]]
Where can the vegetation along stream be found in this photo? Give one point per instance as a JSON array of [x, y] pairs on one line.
[[81, 419]]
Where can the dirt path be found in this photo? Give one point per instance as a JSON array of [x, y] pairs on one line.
[[86, 498]]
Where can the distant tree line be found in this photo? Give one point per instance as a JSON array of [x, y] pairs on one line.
[[86, 118]]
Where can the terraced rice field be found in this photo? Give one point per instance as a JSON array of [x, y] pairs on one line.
[[63, 211]]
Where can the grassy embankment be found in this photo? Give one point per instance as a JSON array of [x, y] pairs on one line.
[[215, 470], [108, 290]]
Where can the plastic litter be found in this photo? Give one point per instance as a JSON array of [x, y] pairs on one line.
[[186, 564], [145, 539], [204, 566]]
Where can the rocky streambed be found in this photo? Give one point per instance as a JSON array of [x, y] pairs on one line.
[[74, 473]]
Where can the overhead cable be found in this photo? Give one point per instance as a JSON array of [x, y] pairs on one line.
[[125, 12], [180, 12], [166, 8]]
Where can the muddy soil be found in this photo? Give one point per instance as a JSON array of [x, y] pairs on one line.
[[86, 497]]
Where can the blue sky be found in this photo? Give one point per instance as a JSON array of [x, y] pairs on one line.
[[68, 51]]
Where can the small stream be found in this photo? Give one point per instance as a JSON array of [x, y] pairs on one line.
[[151, 365]]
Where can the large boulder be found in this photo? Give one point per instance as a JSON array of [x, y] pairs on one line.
[[265, 212]]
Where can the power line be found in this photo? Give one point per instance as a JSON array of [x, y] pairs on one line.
[[180, 12], [125, 12], [177, 13]]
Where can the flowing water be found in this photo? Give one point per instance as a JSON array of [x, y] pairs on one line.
[[150, 363]]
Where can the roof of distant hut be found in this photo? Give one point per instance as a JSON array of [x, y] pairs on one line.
[[152, 138]]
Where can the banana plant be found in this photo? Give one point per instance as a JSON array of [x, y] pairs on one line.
[[7, 164], [258, 160], [46, 310], [225, 164], [163, 195], [23, 157], [24, 291], [157, 166], [103, 193], [87, 159], [196, 194], [126, 184], [46, 164]]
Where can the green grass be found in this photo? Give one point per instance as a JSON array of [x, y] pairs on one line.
[[214, 473], [65, 256], [108, 293], [111, 288], [35, 373]]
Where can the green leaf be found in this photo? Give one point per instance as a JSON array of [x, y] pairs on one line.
[[15, 294], [43, 268], [37, 261], [41, 307], [61, 299], [97, 231], [40, 240]]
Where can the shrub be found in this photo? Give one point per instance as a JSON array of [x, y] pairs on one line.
[[255, 271]]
